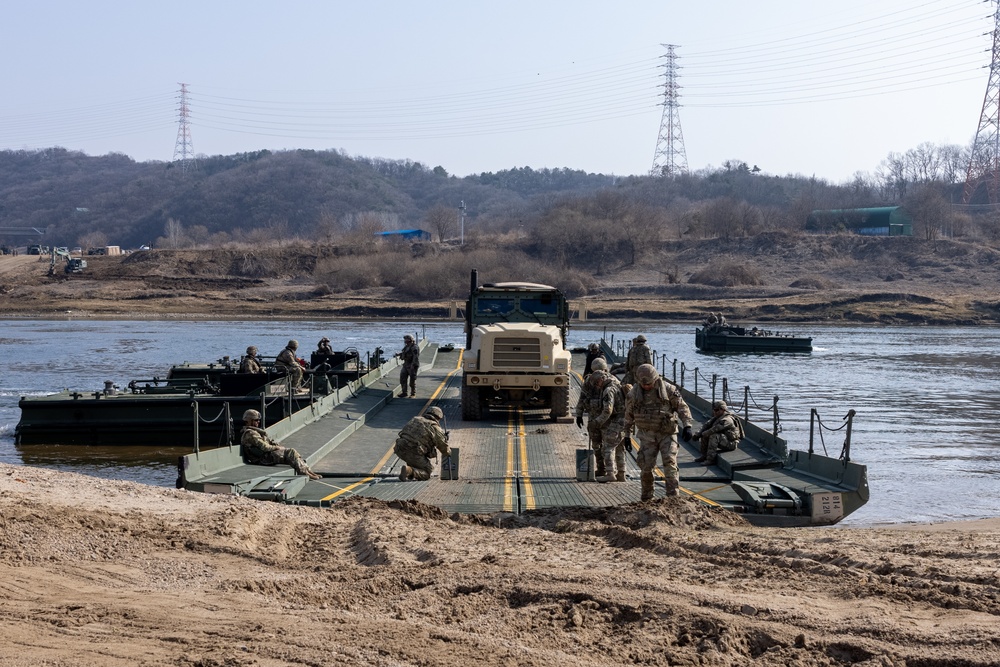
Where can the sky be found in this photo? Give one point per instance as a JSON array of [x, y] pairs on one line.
[[791, 86]]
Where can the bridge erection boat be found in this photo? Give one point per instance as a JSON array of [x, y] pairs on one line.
[[730, 338]]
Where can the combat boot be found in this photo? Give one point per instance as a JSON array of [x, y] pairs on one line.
[[620, 477], [604, 478], [404, 473], [402, 395], [413, 393]]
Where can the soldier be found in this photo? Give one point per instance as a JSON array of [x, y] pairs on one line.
[[250, 363], [590, 402], [638, 355], [721, 433], [421, 437], [609, 421], [655, 408], [411, 364], [287, 360], [323, 347], [593, 352], [259, 449]]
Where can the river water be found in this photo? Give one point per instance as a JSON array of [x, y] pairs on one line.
[[927, 399]]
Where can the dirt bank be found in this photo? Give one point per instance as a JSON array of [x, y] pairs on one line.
[[108, 573], [799, 279]]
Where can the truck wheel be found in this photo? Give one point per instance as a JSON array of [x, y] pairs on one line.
[[560, 402], [472, 404]]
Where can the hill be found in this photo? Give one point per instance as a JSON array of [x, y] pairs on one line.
[[767, 278]]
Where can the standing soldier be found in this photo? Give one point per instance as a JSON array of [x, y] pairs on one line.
[[250, 363], [590, 403], [655, 409], [259, 449], [411, 364], [638, 355], [421, 437], [593, 352], [287, 360], [721, 433], [609, 420]]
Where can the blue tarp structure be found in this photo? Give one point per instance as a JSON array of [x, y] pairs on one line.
[[407, 234]]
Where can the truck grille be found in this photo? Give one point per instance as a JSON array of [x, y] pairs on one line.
[[517, 353]]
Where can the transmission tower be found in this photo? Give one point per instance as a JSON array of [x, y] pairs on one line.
[[984, 162], [183, 147], [669, 159]]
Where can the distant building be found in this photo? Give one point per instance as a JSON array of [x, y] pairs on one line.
[[877, 221], [406, 234]]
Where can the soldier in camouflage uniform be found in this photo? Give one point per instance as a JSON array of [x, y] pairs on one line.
[[259, 449], [590, 403], [250, 363], [638, 355], [609, 420], [655, 409], [287, 360], [421, 437], [593, 352], [323, 346], [411, 364], [721, 433]]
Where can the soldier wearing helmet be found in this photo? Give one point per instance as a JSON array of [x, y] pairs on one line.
[[323, 347], [721, 433], [594, 352], [421, 437], [410, 357], [602, 398], [656, 410], [250, 363], [260, 449], [289, 362], [638, 355]]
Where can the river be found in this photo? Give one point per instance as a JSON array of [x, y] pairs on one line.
[[927, 399]]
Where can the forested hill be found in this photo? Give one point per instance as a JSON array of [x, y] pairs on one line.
[[295, 193], [327, 196]]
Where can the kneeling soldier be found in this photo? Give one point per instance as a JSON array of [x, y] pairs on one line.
[[417, 441]]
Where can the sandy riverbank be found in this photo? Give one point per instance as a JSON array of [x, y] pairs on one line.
[[100, 572]]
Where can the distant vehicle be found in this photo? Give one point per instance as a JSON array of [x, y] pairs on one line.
[[143, 247], [78, 250], [38, 249]]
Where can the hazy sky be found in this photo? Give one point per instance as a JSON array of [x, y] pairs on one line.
[[793, 86]]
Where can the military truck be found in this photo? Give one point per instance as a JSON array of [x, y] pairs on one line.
[[515, 349]]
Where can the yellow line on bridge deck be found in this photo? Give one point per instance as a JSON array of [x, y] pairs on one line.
[[529, 493]]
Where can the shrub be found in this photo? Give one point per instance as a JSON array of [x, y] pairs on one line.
[[813, 282], [727, 274]]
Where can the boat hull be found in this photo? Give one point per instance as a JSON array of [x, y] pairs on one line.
[[739, 339]]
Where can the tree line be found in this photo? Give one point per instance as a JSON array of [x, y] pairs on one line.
[[330, 197]]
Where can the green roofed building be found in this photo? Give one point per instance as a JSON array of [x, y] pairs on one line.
[[876, 221]]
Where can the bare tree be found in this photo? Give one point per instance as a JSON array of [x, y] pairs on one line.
[[443, 220], [173, 234]]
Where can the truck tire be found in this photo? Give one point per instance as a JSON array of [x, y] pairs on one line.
[[560, 402], [472, 404]]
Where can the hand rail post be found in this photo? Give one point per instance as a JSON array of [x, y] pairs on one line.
[[847, 438], [194, 406], [774, 417]]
